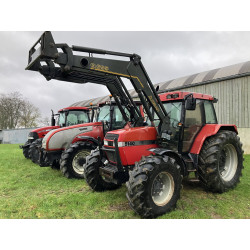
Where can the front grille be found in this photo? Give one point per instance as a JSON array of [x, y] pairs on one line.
[[111, 136], [111, 156], [110, 143]]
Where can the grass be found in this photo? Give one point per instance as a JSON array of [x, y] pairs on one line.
[[29, 191]]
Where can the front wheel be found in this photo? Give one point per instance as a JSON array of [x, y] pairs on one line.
[[221, 162], [26, 150], [34, 151], [73, 159], [91, 173], [154, 186]]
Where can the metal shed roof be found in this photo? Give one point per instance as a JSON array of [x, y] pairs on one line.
[[220, 74]]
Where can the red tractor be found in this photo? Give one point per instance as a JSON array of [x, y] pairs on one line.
[[35, 136], [154, 173], [67, 117], [72, 144], [183, 135]]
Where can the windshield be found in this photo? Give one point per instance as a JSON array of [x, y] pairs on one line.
[[174, 111], [103, 114], [61, 119], [74, 117], [117, 120]]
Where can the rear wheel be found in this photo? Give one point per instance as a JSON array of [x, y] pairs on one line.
[[221, 162], [73, 159], [92, 176], [154, 186], [34, 151]]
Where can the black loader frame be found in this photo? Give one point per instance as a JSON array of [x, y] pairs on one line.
[[65, 66]]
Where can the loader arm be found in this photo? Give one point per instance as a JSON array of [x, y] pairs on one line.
[[65, 66]]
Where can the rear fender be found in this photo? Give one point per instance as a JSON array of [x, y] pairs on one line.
[[207, 131], [173, 154]]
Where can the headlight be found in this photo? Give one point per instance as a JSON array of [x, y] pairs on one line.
[[33, 136], [121, 144], [111, 143]]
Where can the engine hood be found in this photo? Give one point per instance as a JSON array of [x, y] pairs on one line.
[[59, 139], [133, 134]]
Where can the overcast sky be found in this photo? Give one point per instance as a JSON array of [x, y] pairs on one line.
[[165, 55]]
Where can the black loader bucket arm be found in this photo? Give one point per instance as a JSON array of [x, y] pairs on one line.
[[65, 66]]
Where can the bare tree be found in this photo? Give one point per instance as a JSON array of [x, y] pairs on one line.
[[29, 115], [44, 122], [17, 112]]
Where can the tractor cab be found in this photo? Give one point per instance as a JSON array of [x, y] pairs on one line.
[[73, 116], [111, 116], [188, 113]]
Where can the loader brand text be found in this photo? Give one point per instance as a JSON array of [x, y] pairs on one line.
[[98, 67]]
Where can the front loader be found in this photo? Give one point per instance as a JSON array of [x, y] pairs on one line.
[[183, 135]]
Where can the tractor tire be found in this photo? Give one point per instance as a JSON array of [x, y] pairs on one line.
[[154, 186], [92, 176], [33, 150], [221, 162], [73, 158], [26, 151]]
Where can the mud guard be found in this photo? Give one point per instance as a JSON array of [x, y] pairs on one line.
[[178, 158], [89, 138]]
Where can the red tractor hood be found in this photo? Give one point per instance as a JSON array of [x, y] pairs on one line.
[[135, 134]]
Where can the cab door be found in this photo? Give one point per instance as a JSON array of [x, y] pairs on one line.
[[193, 122]]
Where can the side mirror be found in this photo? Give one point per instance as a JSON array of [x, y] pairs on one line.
[[190, 103], [53, 121]]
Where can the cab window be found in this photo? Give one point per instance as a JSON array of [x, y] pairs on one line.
[[76, 117], [119, 121], [103, 114], [174, 111], [210, 112]]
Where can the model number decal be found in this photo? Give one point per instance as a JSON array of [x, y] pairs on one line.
[[129, 143], [98, 67]]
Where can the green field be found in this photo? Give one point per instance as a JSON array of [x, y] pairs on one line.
[[29, 191]]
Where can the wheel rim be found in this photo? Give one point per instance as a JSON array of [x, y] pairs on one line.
[[162, 188], [79, 160], [229, 162]]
